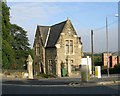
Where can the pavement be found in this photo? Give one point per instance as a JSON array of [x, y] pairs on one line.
[[64, 81], [94, 81]]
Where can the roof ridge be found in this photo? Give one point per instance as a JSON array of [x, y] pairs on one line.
[[43, 26], [59, 23], [52, 25], [55, 31]]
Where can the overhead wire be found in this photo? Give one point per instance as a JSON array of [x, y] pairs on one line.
[[103, 27], [97, 29]]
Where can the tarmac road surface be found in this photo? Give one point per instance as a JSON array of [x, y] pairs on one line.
[[35, 89]]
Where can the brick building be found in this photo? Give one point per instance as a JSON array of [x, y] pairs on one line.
[[113, 59], [57, 50]]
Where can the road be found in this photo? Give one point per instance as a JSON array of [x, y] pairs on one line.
[[55, 81], [38, 89], [58, 86]]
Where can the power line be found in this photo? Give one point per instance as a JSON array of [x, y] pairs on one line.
[[97, 29], [103, 27]]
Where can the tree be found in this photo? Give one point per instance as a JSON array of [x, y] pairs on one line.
[[98, 60], [8, 57], [20, 44], [15, 46]]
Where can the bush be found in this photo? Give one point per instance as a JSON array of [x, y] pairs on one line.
[[114, 70], [117, 68], [46, 75]]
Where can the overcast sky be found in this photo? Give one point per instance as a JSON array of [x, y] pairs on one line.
[[83, 15]]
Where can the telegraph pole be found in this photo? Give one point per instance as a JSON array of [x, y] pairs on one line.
[[92, 52]]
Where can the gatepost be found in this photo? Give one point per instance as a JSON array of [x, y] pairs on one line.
[[98, 71], [30, 67], [85, 75]]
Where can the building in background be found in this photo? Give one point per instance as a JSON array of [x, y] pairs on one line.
[[57, 50], [113, 59]]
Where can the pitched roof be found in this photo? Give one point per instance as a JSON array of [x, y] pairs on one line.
[[43, 32], [50, 34], [55, 33]]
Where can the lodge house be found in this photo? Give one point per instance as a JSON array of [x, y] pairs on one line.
[[57, 50]]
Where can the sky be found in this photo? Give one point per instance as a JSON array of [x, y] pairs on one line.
[[85, 16]]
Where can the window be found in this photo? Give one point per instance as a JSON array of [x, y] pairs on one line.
[[37, 49], [69, 46], [50, 66]]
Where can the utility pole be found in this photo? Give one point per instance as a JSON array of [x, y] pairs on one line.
[[92, 52], [107, 46]]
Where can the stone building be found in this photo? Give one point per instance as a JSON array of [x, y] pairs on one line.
[[57, 50]]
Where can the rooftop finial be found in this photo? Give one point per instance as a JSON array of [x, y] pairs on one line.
[[68, 18]]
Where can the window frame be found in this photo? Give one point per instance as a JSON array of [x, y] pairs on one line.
[[70, 46]]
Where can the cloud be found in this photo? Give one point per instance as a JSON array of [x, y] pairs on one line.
[[29, 14]]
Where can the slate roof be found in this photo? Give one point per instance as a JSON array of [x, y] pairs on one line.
[[43, 32], [54, 33]]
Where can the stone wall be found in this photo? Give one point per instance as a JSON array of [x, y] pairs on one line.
[[13, 73], [58, 55], [50, 60], [62, 56], [54, 58]]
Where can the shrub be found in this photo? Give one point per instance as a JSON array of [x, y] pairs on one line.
[[114, 70], [117, 68], [46, 75]]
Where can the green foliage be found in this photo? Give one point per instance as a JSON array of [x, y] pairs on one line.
[[8, 56], [0, 33], [98, 60], [15, 46], [20, 44], [42, 75], [5, 22], [7, 52], [115, 70], [20, 38]]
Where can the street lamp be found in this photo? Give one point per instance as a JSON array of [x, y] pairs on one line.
[[116, 15]]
